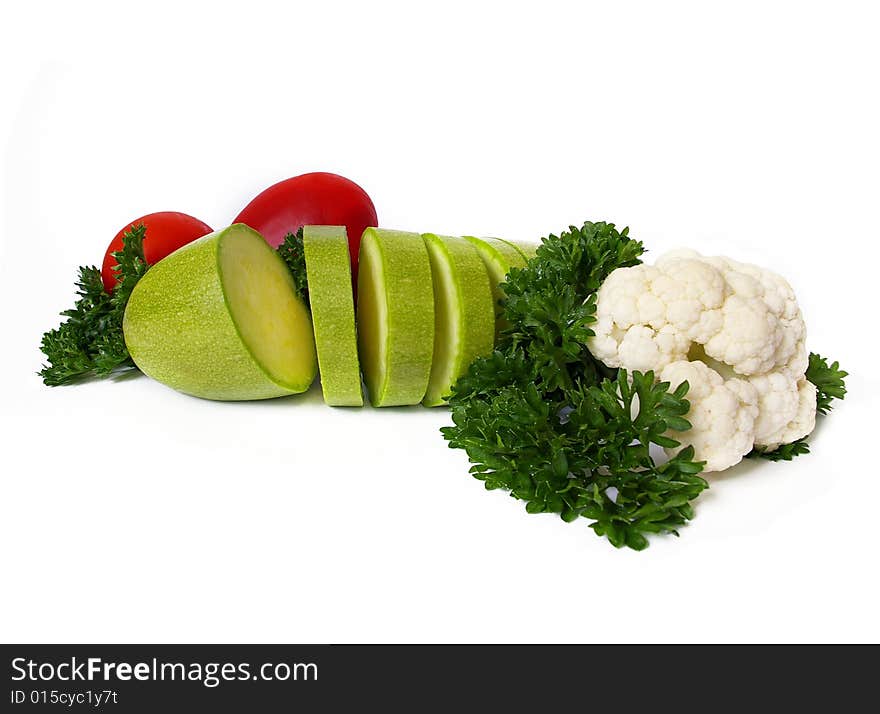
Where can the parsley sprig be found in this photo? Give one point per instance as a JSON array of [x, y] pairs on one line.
[[545, 421], [90, 342], [829, 381], [292, 252]]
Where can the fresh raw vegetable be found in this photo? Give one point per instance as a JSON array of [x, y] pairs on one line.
[[464, 315], [733, 331], [166, 231], [499, 257], [395, 317], [90, 342], [221, 319], [329, 281], [311, 199]]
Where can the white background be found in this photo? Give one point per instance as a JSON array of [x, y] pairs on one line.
[[129, 512]]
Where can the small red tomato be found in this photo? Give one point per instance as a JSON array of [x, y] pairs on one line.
[[166, 231], [315, 199]]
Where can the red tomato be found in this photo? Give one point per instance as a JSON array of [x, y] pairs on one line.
[[316, 199], [166, 231]]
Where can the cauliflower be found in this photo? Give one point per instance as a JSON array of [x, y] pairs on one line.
[[733, 331]]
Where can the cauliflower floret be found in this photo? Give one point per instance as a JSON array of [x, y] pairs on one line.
[[777, 400], [740, 321], [802, 423], [722, 414], [774, 294], [633, 324]]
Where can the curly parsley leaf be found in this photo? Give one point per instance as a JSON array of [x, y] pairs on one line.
[[829, 381], [293, 253], [90, 342], [545, 421], [551, 302], [786, 452]]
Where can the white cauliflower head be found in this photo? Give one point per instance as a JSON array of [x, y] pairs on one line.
[[733, 331]]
